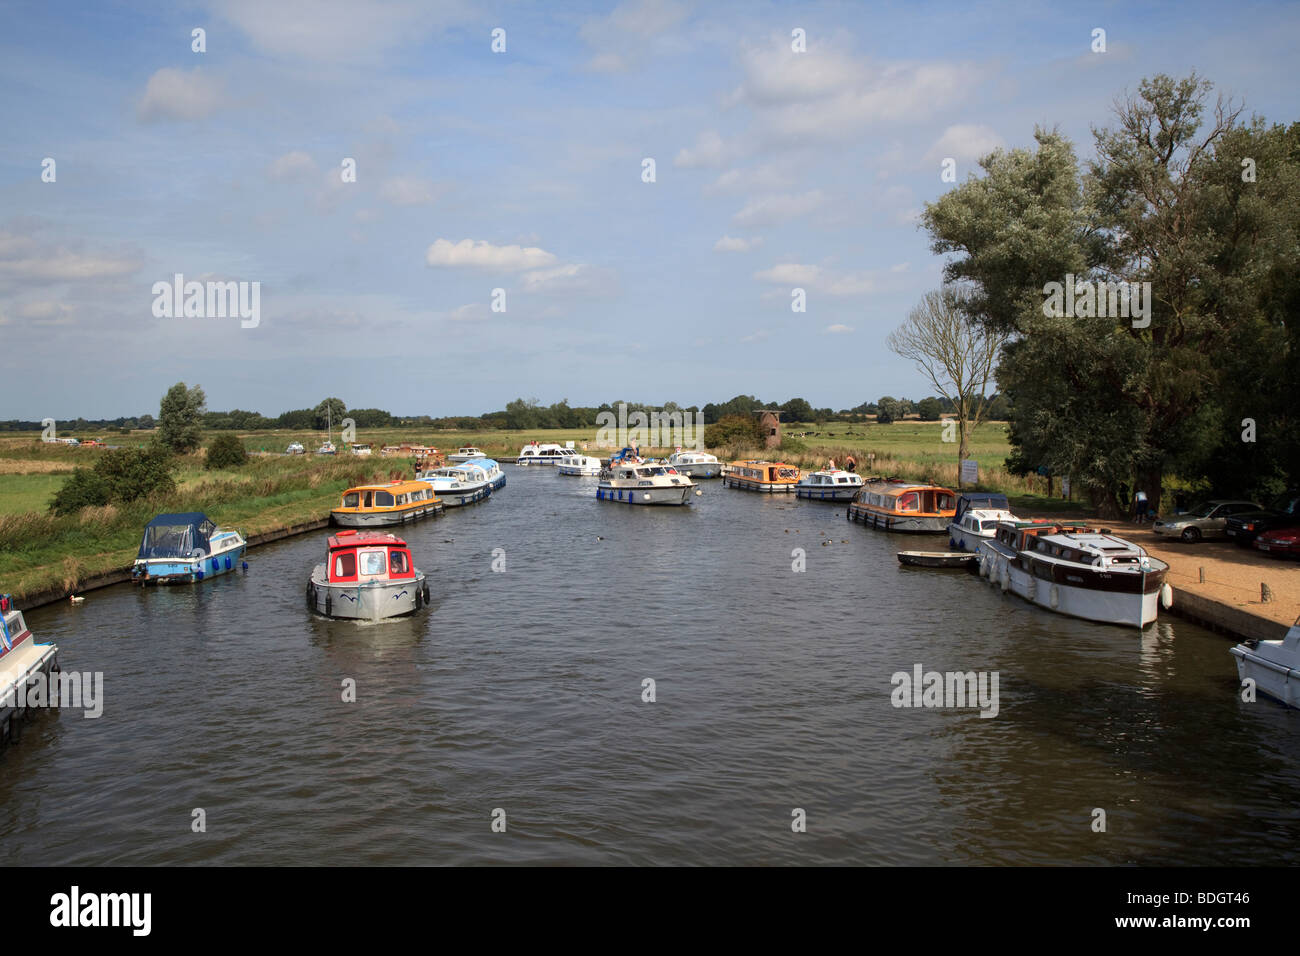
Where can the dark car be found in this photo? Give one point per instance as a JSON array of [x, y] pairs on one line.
[[1283, 513]]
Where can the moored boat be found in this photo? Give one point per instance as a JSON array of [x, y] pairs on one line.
[[23, 662], [489, 469], [1274, 666], [580, 465], [186, 547], [1077, 570], [468, 453], [327, 449], [642, 483], [373, 506], [976, 519], [368, 576], [832, 485], [936, 559], [769, 477], [696, 464], [545, 454], [457, 485], [893, 504]]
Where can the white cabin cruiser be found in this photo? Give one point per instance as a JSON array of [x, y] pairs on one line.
[[1076, 570], [24, 662], [457, 485], [546, 454], [976, 519], [468, 453], [1274, 666], [645, 484], [582, 465], [833, 485], [490, 470], [696, 464]]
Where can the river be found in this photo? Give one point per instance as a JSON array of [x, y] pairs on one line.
[[521, 691]]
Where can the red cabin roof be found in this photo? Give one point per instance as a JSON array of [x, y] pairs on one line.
[[355, 539]]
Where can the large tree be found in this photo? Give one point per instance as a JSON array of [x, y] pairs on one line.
[[180, 418], [954, 352]]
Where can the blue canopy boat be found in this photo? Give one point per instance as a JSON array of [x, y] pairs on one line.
[[180, 548]]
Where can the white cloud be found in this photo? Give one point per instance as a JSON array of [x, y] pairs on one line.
[[24, 259], [621, 37], [292, 166], [709, 150], [173, 94], [774, 210], [790, 273], [965, 141], [901, 267], [730, 244], [408, 191], [570, 280], [479, 253], [338, 31], [838, 329]]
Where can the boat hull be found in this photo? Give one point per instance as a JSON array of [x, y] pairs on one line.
[[665, 495], [762, 487], [186, 571], [964, 540], [385, 519], [935, 559], [19, 668], [827, 492], [702, 469], [372, 601], [1273, 677], [910, 524], [1125, 599]]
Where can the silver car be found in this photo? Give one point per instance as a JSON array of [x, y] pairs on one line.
[[1206, 520]]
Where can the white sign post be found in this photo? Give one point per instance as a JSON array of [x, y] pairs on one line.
[[970, 471]]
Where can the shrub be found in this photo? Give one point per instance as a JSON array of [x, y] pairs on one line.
[[83, 489], [739, 430], [226, 451]]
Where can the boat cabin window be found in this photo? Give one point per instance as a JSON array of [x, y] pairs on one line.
[[909, 502], [399, 562], [372, 562], [351, 499], [383, 500], [368, 501], [946, 503], [345, 565]]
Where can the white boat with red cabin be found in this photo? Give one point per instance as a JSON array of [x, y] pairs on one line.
[[23, 662], [367, 576]]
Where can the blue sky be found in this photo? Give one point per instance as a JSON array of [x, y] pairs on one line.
[[522, 171]]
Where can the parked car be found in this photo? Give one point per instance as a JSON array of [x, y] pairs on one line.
[[92, 443], [1283, 513], [1207, 520], [1282, 542]]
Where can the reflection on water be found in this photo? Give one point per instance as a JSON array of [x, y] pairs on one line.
[[522, 690]]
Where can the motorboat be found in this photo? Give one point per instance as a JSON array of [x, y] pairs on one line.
[[186, 547], [581, 465], [696, 464], [892, 504], [976, 519], [327, 449], [457, 485], [769, 477], [642, 483], [1077, 570], [360, 448], [831, 485], [468, 453], [371, 506], [367, 576], [936, 559], [295, 448], [490, 470], [24, 661], [546, 454], [1274, 666]]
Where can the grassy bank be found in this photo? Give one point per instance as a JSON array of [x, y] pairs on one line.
[[39, 550]]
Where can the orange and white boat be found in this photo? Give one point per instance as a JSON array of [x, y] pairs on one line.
[[771, 477], [893, 504], [377, 506]]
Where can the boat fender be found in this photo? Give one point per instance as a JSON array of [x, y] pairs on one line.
[[984, 565], [1054, 597], [1005, 579], [419, 598], [1166, 596], [329, 604]]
